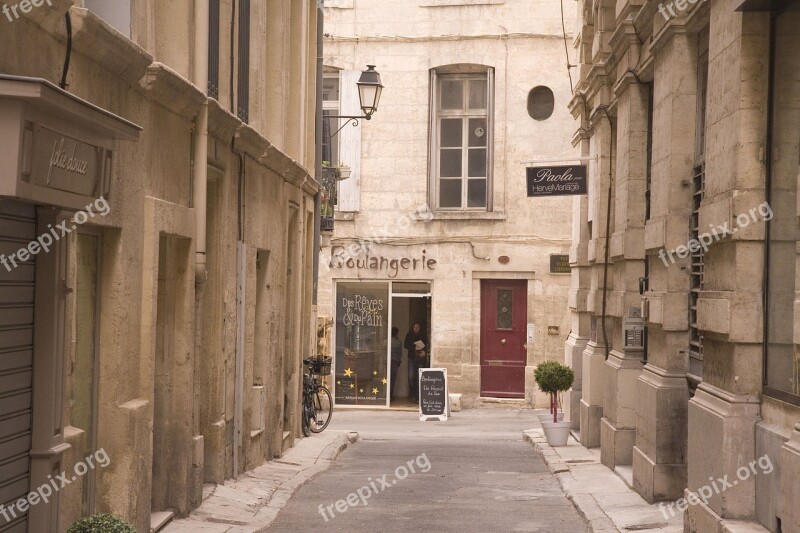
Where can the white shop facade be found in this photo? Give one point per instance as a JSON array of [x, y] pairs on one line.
[[479, 315]]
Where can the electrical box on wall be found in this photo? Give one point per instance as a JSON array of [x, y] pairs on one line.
[[633, 330]]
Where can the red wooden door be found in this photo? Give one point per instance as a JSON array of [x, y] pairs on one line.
[[504, 314]]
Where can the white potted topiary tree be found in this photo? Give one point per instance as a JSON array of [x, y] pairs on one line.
[[553, 379], [548, 416]]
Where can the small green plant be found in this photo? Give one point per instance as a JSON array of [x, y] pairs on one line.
[[552, 378], [101, 523], [328, 164]]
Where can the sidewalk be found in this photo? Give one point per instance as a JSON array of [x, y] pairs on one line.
[[250, 503], [603, 498]]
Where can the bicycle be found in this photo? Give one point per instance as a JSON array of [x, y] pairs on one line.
[[317, 402]]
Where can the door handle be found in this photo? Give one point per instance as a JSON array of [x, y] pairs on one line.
[[502, 341]]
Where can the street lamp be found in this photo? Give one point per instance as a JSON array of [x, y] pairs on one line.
[[369, 91], [369, 95]]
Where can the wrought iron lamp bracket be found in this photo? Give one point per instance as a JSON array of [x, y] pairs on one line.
[[354, 120]]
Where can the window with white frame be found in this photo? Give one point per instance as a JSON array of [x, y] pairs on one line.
[[461, 140], [117, 13], [330, 107]]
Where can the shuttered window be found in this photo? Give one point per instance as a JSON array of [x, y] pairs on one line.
[[350, 142], [17, 229], [243, 90], [213, 49], [695, 374]]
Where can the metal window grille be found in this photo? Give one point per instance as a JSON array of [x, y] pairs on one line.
[[213, 49], [695, 374], [696, 279], [243, 95], [648, 185]]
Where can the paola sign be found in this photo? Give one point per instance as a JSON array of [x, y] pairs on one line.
[[557, 181]]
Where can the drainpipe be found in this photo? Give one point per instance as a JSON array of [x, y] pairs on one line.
[[200, 162], [773, 43], [318, 162]]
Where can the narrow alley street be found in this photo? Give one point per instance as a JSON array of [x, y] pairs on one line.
[[481, 476]]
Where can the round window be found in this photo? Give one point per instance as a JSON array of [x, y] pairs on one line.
[[541, 103]]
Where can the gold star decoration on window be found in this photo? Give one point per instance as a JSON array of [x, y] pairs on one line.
[[384, 381], [352, 386], [375, 390], [348, 372], [374, 372], [361, 391]]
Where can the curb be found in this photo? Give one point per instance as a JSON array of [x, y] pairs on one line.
[[284, 491], [250, 503], [585, 504]]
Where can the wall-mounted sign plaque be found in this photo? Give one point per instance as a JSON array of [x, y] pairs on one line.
[[559, 264], [557, 181]]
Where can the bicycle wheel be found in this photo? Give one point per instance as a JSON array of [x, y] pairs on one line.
[[304, 417], [323, 407]]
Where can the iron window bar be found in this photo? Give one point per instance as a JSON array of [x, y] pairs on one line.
[[696, 280]]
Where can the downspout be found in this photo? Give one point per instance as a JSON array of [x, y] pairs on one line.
[[604, 109], [200, 162], [773, 43], [318, 162], [68, 55]]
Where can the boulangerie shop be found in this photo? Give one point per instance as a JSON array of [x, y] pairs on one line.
[[365, 313]]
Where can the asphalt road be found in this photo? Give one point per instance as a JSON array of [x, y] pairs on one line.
[[471, 473]]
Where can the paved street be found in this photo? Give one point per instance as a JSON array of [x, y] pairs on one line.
[[472, 473]]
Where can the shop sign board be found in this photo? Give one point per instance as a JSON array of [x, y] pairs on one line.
[[57, 148], [434, 399], [557, 180], [357, 256], [68, 164]]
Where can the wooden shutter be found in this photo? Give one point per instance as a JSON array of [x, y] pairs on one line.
[[17, 228], [350, 142], [243, 95], [213, 49]]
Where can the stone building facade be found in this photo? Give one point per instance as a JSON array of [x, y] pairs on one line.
[[434, 225], [156, 322], [685, 266]]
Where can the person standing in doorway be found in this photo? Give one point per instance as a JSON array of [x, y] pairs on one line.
[[417, 345], [397, 358]]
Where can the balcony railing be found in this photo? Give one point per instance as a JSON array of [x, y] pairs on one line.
[[328, 200]]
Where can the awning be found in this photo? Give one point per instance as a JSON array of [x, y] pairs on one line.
[[55, 148]]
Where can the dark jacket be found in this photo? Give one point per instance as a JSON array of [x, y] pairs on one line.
[[411, 338]]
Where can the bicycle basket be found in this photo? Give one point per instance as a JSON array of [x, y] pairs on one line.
[[321, 366]]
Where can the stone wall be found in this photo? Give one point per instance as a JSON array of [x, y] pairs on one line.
[[188, 357], [677, 420]]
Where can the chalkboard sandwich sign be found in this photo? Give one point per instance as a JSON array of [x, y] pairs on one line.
[[434, 400]]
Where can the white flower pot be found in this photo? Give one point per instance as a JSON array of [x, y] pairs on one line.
[[343, 173], [556, 433]]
